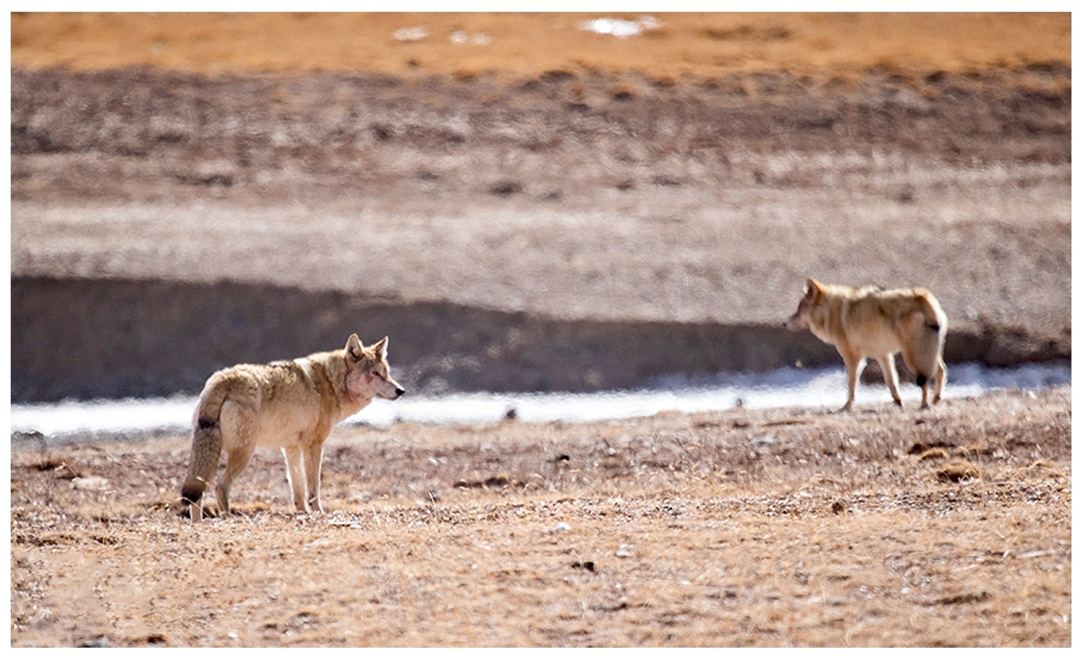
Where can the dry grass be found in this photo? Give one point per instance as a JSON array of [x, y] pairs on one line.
[[710, 45], [782, 527]]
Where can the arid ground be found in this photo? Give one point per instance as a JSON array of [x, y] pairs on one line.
[[784, 527], [521, 204]]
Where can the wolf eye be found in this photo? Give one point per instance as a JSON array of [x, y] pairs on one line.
[[376, 374]]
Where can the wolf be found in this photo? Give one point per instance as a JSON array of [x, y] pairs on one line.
[[874, 322], [291, 405]]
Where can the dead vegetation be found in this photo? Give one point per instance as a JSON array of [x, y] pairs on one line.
[[530, 46], [779, 527]]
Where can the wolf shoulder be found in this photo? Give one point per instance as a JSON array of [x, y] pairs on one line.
[[897, 302], [278, 379]]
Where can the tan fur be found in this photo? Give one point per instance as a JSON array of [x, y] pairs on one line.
[[291, 405], [871, 322]]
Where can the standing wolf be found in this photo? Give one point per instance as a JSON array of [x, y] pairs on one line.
[[291, 404], [877, 323]]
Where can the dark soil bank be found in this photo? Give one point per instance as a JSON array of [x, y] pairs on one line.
[[100, 338]]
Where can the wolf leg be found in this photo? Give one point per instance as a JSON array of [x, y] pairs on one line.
[[853, 364], [922, 375], [940, 376], [313, 467], [195, 511], [236, 461], [239, 430], [888, 368], [294, 465]]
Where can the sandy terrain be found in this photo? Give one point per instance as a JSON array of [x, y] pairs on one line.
[[738, 528], [508, 194], [523, 44]]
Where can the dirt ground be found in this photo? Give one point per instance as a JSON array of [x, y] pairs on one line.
[[885, 527], [512, 163], [527, 44]]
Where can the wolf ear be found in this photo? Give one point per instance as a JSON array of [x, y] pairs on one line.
[[813, 288], [380, 347], [354, 348]]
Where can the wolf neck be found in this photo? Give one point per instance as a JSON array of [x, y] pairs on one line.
[[349, 406], [327, 371], [828, 329]]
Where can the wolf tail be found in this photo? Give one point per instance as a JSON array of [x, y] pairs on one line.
[[206, 443], [930, 342]]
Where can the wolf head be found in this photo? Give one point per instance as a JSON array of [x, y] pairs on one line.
[[802, 318], [367, 373]]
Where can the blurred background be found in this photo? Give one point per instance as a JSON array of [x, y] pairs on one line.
[[524, 202]]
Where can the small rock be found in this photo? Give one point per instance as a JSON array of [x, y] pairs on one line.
[[90, 483], [410, 34], [561, 527], [505, 188], [98, 642], [763, 440]]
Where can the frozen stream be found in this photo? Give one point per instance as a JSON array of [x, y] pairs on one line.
[[784, 388]]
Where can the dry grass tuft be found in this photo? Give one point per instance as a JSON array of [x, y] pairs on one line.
[[934, 454], [958, 470]]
